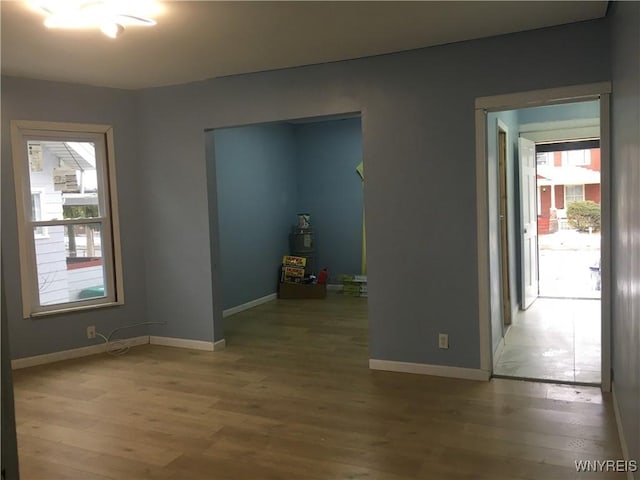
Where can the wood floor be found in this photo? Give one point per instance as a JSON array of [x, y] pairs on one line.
[[292, 398]]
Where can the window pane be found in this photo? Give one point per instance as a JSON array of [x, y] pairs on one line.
[[64, 175], [69, 263], [544, 158], [35, 212], [574, 193], [577, 158]]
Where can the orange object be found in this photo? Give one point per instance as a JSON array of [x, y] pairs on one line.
[[323, 276]]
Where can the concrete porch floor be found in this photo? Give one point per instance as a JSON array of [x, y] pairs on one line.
[[565, 264], [555, 339]]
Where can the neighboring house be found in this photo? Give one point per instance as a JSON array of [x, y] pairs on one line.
[[563, 178], [65, 269]]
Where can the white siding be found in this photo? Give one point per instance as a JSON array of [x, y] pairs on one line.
[[81, 278], [51, 255]]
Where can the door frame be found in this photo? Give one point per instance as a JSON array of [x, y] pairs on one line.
[[503, 216], [534, 98]]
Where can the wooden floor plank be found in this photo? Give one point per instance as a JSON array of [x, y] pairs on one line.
[[292, 397]]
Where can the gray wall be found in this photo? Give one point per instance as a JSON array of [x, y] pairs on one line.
[[256, 184], [626, 218], [24, 99], [419, 151], [330, 189]]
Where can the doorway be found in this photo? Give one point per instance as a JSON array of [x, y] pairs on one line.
[[556, 335], [261, 177], [527, 328]]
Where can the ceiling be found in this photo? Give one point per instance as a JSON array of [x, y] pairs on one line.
[[204, 39]]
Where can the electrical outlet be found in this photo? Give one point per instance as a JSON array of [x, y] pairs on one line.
[[91, 331], [443, 340]]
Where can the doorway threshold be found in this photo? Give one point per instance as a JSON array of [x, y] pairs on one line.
[[548, 380]]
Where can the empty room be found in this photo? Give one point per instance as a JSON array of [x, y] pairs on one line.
[[266, 239]]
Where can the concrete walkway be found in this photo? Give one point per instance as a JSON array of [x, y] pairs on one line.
[[568, 262]]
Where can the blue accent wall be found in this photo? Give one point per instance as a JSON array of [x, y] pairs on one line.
[[554, 113], [255, 180], [330, 189], [260, 177]]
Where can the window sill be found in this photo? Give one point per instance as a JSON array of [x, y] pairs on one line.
[[64, 310]]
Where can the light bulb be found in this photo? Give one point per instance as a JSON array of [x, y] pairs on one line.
[[111, 30]]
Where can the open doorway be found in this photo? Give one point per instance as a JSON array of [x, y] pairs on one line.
[[544, 232], [261, 179], [556, 335], [569, 213]]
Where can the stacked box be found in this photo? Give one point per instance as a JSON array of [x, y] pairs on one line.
[[291, 261], [354, 285], [292, 269], [291, 286]]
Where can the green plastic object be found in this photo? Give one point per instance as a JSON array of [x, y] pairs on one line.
[[91, 292]]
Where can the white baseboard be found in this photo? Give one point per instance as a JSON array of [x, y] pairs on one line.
[[425, 369], [219, 345], [623, 440], [73, 353], [246, 306], [182, 343], [498, 352]]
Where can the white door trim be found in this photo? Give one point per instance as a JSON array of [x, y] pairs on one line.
[[482, 209], [605, 239], [513, 101], [548, 96]]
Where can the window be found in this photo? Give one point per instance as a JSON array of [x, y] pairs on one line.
[[573, 193], [544, 158], [576, 158], [67, 215]]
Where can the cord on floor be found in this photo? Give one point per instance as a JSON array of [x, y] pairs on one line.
[[120, 347]]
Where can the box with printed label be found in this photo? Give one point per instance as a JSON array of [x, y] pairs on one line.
[[290, 260]]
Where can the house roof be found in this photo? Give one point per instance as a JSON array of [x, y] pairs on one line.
[[551, 175], [75, 155]]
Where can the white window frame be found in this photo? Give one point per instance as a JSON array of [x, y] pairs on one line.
[[570, 158], [44, 231], [102, 136], [544, 158], [566, 201]]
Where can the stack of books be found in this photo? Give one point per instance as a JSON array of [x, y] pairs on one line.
[[354, 285]]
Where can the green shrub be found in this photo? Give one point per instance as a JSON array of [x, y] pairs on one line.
[[582, 215]]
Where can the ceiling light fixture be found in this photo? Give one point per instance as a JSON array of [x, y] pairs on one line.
[[110, 16]]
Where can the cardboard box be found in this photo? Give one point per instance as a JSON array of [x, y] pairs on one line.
[[301, 290], [290, 260], [292, 274]]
